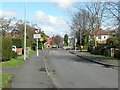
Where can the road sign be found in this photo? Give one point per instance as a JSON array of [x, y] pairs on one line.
[[36, 36], [37, 31], [41, 39]]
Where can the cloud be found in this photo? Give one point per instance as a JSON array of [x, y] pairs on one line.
[[110, 27], [51, 24], [59, 0], [64, 3], [7, 13], [48, 19]]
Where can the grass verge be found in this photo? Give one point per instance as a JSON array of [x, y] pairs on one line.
[[31, 52], [13, 62], [106, 57], [5, 79]]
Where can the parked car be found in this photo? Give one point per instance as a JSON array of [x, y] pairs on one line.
[[14, 48], [54, 46]]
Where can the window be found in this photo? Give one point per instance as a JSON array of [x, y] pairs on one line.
[[104, 37], [99, 37]]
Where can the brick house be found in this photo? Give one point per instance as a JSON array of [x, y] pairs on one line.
[[48, 42]]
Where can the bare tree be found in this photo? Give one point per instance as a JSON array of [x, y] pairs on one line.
[[56, 40], [113, 8]]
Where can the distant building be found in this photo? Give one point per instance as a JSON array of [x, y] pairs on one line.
[[48, 42], [71, 41], [100, 36]]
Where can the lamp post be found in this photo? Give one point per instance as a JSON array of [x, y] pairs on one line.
[[25, 31]]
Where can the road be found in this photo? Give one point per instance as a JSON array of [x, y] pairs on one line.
[[69, 71], [61, 69]]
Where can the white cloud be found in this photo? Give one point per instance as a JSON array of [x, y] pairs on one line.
[[51, 24], [49, 19], [7, 13], [64, 3], [56, 0], [110, 27]]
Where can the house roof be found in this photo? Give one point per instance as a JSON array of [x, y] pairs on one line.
[[99, 32]]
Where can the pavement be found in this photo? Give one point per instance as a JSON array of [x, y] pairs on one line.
[[96, 58], [31, 74]]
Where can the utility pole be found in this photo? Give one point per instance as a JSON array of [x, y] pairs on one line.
[[25, 31]]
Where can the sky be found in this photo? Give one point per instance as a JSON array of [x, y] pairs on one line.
[[50, 15]]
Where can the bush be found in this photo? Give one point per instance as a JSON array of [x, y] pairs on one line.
[[90, 48], [34, 46], [28, 42], [40, 45], [6, 48], [14, 54], [17, 42], [117, 53]]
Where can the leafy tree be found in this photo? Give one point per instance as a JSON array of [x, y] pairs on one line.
[[113, 41], [66, 40], [43, 35]]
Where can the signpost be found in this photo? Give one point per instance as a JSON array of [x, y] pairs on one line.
[[37, 36]]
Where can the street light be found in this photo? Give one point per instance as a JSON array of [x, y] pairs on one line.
[[25, 31]]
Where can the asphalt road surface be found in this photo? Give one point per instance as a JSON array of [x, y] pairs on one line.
[[69, 71]]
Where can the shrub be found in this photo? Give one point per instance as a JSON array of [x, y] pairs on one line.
[[14, 54], [17, 42], [40, 45], [28, 42], [34, 46], [6, 48], [117, 53]]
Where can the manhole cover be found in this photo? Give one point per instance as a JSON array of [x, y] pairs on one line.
[[42, 69]]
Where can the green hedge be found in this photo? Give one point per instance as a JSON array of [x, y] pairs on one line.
[[40, 45], [117, 53], [6, 48], [14, 54], [28, 42], [17, 42]]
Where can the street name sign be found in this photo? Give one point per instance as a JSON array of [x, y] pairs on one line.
[[36, 36]]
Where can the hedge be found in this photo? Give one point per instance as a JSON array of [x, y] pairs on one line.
[[14, 54], [28, 42], [17, 42], [6, 48]]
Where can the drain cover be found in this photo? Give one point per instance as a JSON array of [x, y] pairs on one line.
[[42, 69]]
